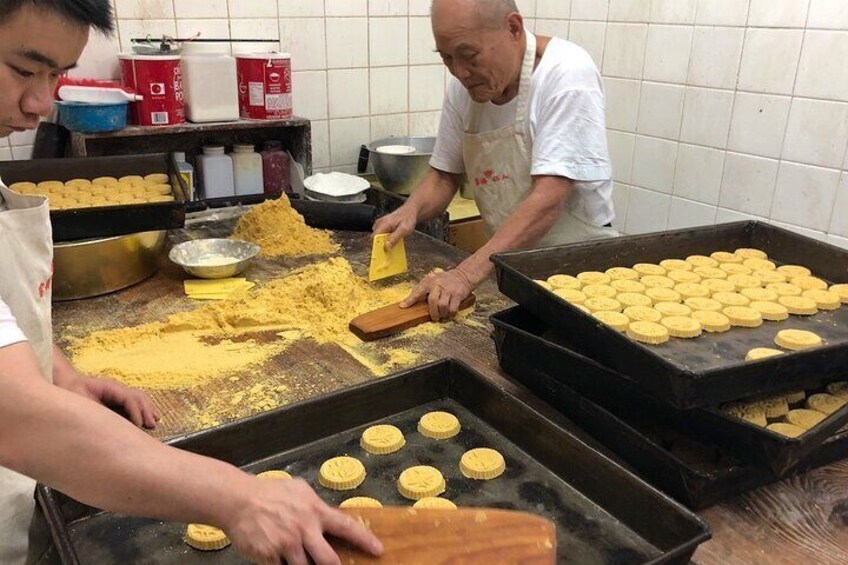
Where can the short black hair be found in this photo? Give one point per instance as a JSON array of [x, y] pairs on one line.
[[92, 13]]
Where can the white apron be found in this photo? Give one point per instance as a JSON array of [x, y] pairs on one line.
[[26, 253], [498, 165]]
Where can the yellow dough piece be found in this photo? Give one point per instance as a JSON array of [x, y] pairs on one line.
[[743, 317], [735, 269], [680, 277], [105, 181], [769, 277], [792, 271], [657, 281], [662, 294], [705, 304], [825, 403], [570, 295], [759, 294], [420, 482], [482, 464], [839, 389], [701, 261], [726, 257], [692, 290], [615, 320], [682, 326], [275, 475], [564, 281], [718, 285], [22, 187], [134, 179], [806, 419], [438, 425], [593, 277], [361, 502], [382, 439], [341, 473], [744, 281], [601, 304], [841, 290], [642, 314], [759, 264], [751, 253], [795, 397], [775, 407], [649, 269], [628, 299], [162, 189], [796, 340], [206, 538], [809, 283], [711, 321], [771, 311], [158, 178], [628, 286], [731, 299], [784, 289], [648, 332], [51, 184], [799, 305], [544, 284], [824, 299], [434, 503], [750, 412], [81, 183], [599, 290], [710, 272], [676, 265], [784, 429], [762, 353], [622, 274], [672, 309]]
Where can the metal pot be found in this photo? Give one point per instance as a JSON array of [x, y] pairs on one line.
[[399, 173]]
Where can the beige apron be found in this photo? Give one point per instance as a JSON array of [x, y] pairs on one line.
[[498, 165], [26, 255]]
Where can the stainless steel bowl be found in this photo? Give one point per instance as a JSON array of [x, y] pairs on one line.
[[401, 173], [213, 258]]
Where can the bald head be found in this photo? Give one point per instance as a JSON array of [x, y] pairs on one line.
[[489, 14]]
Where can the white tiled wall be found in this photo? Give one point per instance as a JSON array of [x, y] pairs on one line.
[[717, 110]]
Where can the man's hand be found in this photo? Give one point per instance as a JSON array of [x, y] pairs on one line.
[[398, 225], [285, 519], [112, 394], [444, 291]]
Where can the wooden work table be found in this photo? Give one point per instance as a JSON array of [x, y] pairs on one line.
[[801, 520]]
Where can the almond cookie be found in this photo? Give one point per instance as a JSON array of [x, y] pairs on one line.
[[825, 403], [805, 419], [771, 311], [438, 425], [663, 294], [692, 290], [628, 286], [676, 265], [382, 439], [809, 283], [711, 321], [598, 290], [762, 353], [341, 473], [571, 295], [799, 305], [784, 429], [672, 309], [622, 274], [593, 277], [744, 281], [710, 273], [839, 389], [601, 304], [682, 326], [797, 340], [751, 253], [628, 299], [743, 317], [824, 299], [701, 261], [274, 475], [648, 332], [769, 277], [564, 281], [759, 294], [482, 464], [434, 503], [735, 269], [841, 290], [206, 538], [785, 289], [421, 481], [615, 320], [731, 299], [718, 285], [642, 314], [657, 281], [759, 264], [680, 277], [361, 502], [794, 271], [649, 269], [699, 303], [726, 257]]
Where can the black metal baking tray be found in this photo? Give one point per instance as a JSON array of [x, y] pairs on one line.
[[604, 514], [525, 343], [699, 372], [87, 223]]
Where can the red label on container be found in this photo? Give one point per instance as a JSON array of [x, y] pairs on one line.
[[160, 82], [264, 87]]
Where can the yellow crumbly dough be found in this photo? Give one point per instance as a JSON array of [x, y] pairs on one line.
[[839, 389], [771, 311], [759, 294], [759, 264], [682, 326], [649, 269], [796, 340], [133, 179], [784, 429], [628, 286], [544, 284], [731, 299], [692, 290], [750, 412], [672, 309], [421, 481], [434, 503], [809, 283], [382, 439], [675, 265], [824, 299], [593, 277], [710, 273], [769, 277], [615, 320], [699, 303], [275, 475], [341, 473], [622, 274], [648, 332], [642, 314], [680, 277], [744, 281], [157, 178], [564, 281], [718, 285], [439, 425], [628, 299], [785, 289], [571, 295], [726, 257], [160, 189], [794, 271], [663, 295], [751, 253], [735, 269], [701, 261], [24, 187], [279, 230], [482, 464], [825, 403], [206, 538], [841, 290], [601, 304], [657, 281], [361, 502], [799, 305], [804, 418], [743, 316], [711, 321], [599, 290]]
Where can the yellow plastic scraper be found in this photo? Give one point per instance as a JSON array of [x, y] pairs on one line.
[[386, 263]]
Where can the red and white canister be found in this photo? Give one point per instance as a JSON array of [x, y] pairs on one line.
[[158, 78], [265, 86]]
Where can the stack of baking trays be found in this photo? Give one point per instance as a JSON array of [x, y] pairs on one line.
[[735, 375]]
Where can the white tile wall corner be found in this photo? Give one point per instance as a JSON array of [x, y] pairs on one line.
[[624, 50], [748, 184], [389, 90], [839, 222], [689, 214], [759, 124], [778, 13], [667, 53], [770, 60], [706, 117], [725, 216], [252, 9], [806, 232], [647, 211], [822, 71], [716, 55], [590, 36], [629, 11], [698, 173], [388, 41], [346, 137], [817, 132], [722, 12], [252, 28], [653, 164], [347, 90], [805, 196], [660, 110]]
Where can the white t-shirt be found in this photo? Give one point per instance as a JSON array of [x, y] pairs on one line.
[[9, 331], [566, 127]]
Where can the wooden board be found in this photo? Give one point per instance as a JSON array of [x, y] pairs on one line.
[[469, 536], [392, 319]]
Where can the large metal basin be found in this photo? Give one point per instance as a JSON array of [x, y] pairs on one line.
[[399, 173]]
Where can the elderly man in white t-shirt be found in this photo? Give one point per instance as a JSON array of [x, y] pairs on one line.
[[523, 124]]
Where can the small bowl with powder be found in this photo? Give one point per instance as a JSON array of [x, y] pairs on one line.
[[214, 258]]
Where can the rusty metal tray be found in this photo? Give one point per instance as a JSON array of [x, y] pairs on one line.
[[528, 346], [699, 372], [604, 514]]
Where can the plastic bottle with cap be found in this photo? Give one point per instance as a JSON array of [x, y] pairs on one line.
[[275, 168], [247, 170], [186, 171], [216, 172]]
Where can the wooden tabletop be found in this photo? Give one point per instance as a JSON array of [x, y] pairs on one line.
[[800, 520]]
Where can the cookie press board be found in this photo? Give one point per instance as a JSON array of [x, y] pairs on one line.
[[393, 319]]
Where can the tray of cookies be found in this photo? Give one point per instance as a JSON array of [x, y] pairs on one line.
[[103, 196], [436, 436], [697, 317], [776, 432]]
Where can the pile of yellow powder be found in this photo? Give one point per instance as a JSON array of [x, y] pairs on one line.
[[279, 230]]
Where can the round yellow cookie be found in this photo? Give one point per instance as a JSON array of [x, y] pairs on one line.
[[718, 285], [795, 397], [439, 425], [105, 181], [593, 277], [361, 502], [601, 304], [726, 257], [275, 475], [571, 295], [785, 289], [731, 299], [582, 308], [648, 332], [663, 294], [839, 389], [750, 253], [23, 187], [628, 299], [382, 439], [759, 264], [744, 281], [799, 305], [564, 281], [51, 184], [704, 304], [434, 503], [341, 473], [804, 418], [420, 482], [598, 290], [161, 189], [710, 273], [784, 429], [672, 309], [825, 403], [743, 317], [657, 281], [792, 271], [482, 464], [649, 269], [544, 284], [134, 179], [206, 538], [796, 340], [628, 286], [701, 261], [676, 265], [735, 269], [682, 277], [841, 290], [809, 283], [769, 277], [622, 274], [79, 183], [642, 314], [615, 320], [682, 326], [759, 294], [771, 311], [750, 412], [692, 290], [824, 299], [712, 321], [157, 178]]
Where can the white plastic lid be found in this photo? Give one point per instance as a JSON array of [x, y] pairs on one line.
[[179, 156], [243, 148], [213, 150]]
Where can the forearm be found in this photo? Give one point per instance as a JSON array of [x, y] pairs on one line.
[[64, 373], [433, 195]]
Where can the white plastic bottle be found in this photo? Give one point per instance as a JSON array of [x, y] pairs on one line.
[[247, 170], [186, 171], [210, 82], [216, 172]]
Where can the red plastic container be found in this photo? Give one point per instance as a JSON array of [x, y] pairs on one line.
[[276, 168], [265, 86], [159, 79]]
